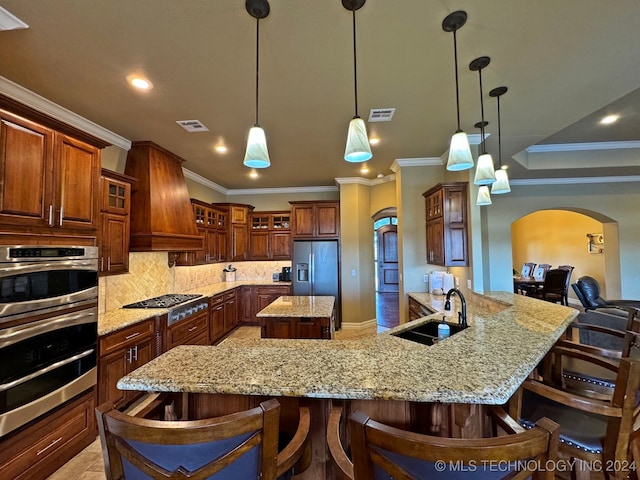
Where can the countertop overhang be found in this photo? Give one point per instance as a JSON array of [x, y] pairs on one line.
[[507, 337], [299, 306]]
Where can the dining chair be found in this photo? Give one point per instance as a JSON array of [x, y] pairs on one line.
[[593, 431], [382, 452], [527, 269], [569, 268], [538, 274], [555, 286], [230, 447]]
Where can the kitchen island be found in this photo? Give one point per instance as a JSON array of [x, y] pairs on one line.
[[440, 389], [297, 317]]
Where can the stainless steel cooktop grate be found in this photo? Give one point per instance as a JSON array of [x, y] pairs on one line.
[[163, 301]]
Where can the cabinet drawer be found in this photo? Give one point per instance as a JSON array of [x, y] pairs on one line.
[[230, 296], [126, 336], [48, 444], [279, 290], [180, 333], [217, 300]]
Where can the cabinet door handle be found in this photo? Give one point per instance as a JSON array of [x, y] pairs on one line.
[[61, 215], [135, 353], [51, 215], [42, 450], [129, 337], [108, 263], [193, 328], [130, 355], [101, 264]]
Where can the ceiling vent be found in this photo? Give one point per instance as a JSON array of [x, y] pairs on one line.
[[192, 126], [381, 114]]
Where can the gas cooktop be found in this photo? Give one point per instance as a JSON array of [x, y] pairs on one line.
[[163, 301]]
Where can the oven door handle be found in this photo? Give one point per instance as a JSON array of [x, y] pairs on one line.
[[53, 366]]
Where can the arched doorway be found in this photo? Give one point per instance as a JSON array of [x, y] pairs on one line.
[[385, 241], [585, 239]]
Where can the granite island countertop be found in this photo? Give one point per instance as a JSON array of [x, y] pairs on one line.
[[507, 337], [299, 306]]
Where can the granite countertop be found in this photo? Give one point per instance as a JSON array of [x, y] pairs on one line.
[[299, 306], [123, 317], [507, 337]]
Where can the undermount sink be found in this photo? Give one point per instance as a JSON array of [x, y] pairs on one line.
[[427, 333]]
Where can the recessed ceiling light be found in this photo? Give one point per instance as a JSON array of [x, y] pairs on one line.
[[139, 82], [220, 149], [364, 169], [380, 175], [253, 173], [609, 119], [374, 141]]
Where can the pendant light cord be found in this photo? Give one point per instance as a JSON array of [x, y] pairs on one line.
[[484, 146], [455, 61], [257, 65], [355, 63], [499, 136]]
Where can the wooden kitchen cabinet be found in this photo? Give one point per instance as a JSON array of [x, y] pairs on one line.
[[237, 239], [264, 295], [230, 310], [115, 222], [311, 219], [50, 180], [417, 310], [270, 236], [34, 452], [122, 352], [190, 331], [446, 224], [216, 318]]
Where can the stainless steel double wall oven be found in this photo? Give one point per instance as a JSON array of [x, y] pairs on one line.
[[48, 329]]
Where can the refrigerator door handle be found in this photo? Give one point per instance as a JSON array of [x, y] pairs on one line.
[[311, 272]]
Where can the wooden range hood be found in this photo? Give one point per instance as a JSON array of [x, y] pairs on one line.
[[161, 215]]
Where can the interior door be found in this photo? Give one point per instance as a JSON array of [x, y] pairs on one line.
[[388, 258]]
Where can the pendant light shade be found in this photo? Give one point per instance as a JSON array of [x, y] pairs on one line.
[[501, 185], [502, 179], [459, 151], [484, 198], [358, 148], [257, 155], [485, 173]]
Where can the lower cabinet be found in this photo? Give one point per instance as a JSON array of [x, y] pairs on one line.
[[230, 310], [42, 447], [264, 295], [191, 331], [122, 352], [216, 318], [297, 327]]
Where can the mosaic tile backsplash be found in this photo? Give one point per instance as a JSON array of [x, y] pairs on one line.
[[150, 275]]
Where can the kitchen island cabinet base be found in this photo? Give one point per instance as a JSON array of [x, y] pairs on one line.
[[439, 419]]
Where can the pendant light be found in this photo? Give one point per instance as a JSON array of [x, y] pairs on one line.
[[484, 196], [501, 184], [358, 148], [459, 151], [257, 155], [485, 173]]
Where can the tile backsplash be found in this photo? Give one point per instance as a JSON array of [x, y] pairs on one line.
[[150, 275]]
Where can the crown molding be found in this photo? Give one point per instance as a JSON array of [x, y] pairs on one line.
[[574, 180], [575, 147], [204, 181], [365, 181], [37, 102], [399, 163], [273, 191]]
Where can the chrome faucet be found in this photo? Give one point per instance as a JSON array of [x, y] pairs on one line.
[[462, 316]]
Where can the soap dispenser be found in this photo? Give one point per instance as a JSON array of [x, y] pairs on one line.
[[443, 330]]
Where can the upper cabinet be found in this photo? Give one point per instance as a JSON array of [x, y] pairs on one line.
[[238, 240], [161, 214], [446, 224], [114, 221], [212, 224], [270, 236], [50, 180], [319, 219]]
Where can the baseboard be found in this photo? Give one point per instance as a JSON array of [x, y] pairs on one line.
[[357, 326]]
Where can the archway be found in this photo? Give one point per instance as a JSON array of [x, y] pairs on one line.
[[385, 243], [585, 239]]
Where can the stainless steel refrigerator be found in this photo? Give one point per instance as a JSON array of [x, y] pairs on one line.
[[315, 270]]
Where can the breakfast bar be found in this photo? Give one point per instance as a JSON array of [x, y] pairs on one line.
[[439, 388]]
